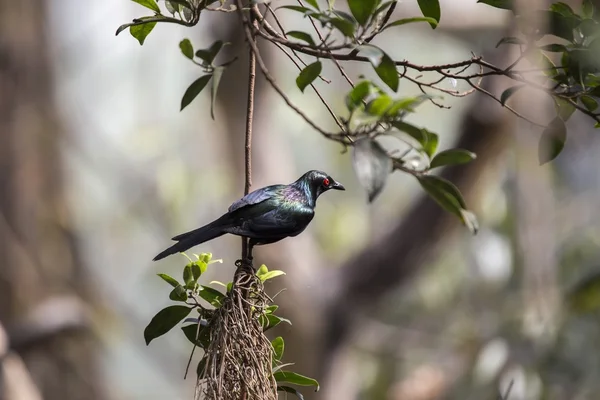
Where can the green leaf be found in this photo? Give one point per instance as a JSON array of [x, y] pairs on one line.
[[278, 347], [357, 95], [171, 281], [209, 54], [448, 197], [305, 37], [431, 144], [178, 294], [300, 9], [151, 4], [380, 105], [373, 53], [503, 4], [509, 92], [214, 87], [452, 157], [271, 309], [563, 108], [173, 7], [187, 274], [510, 40], [262, 270], [187, 49], [444, 192], [386, 70], [295, 378], [587, 9], [194, 90], [362, 10], [372, 166], [308, 75], [140, 32], [269, 321], [404, 21], [212, 296], [313, 3], [201, 368], [164, 321], [343, 25], [416, 133], [431, 9], [291, 390], [552, 141], [589, 103], [407, 104], [197, 334], [196, 270], [553, 48], [562, 9], [561, 25], [271, 275]]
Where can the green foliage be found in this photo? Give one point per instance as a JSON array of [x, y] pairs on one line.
[[362, 10], [572, 65], [433, 22], [308, 75], [509, 92], [187, 49], [194, 90], [452, 157], [552, 141], [449, 197], [431, 9], [295, 378], [199, 330], [164, 321], [370, 109], [141, 31], [213, 72], [504, 4], [151, 4]]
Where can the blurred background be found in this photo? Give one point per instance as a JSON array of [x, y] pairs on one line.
[[394, 300]]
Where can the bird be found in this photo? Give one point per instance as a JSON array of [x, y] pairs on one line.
[[265, 216]]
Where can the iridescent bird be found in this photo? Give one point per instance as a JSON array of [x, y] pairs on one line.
[[264, 216]]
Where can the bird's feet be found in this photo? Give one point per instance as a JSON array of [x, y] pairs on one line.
[[246, 262]]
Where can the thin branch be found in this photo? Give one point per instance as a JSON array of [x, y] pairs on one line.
[[509, 108], [249, 119], [327, 106], [265, 71]]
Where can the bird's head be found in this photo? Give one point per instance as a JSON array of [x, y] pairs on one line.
[[318, 182]]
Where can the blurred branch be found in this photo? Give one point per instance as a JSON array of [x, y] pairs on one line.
[[15, 381]]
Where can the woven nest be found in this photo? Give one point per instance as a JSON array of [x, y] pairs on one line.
[[239, 357]]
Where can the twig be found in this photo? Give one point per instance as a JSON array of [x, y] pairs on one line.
[[248, 135], [265, 71]]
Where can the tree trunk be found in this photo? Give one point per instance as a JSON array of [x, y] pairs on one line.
[[42, 280]]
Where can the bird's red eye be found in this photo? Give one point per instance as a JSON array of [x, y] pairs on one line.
[[326, 182]]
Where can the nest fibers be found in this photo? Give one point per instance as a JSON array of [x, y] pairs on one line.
[[239, 357]]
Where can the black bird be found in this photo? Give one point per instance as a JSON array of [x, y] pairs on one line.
[[265, 216]]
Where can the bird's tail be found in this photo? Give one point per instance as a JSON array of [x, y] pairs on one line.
[[192, 238]]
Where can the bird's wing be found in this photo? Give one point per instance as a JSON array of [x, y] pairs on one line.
[[274, 223], [258, 196]]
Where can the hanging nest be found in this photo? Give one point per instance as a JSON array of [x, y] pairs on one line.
[[237, 364]]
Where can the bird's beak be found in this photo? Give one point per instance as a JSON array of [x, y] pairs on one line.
[[337, 186]]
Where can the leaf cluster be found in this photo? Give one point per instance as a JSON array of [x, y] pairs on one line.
[[570, 64], [206, 301]]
